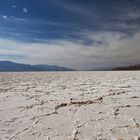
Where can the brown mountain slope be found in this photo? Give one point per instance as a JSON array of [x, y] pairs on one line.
[[133, 67]]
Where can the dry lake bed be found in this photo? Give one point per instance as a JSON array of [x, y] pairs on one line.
[[70, 106]]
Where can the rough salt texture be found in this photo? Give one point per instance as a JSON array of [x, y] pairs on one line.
[[70, 106]]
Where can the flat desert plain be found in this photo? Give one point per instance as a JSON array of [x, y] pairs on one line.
[[70, 106]]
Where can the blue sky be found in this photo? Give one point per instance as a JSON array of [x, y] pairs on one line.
[[81, 34]]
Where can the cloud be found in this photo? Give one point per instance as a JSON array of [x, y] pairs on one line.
[[25, 10], [114, 51], [14, 6], [73, 8], [4, 17], [59, 19], [81, 35]]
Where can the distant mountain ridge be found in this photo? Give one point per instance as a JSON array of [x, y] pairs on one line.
[[11, 66], [133, 67]]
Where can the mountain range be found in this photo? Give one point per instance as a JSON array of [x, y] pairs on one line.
[[7, 66], [11, 66], [133, 67]]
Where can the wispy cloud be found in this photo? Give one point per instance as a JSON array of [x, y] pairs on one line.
[[59, 19], [13, 6], [25, 10], [4, 17], [73, 8]]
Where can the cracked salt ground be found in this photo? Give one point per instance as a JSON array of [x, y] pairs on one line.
[[70, 106]]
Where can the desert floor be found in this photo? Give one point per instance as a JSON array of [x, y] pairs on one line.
[[70, 106]]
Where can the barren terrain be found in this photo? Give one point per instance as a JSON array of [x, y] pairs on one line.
[[70, 106]]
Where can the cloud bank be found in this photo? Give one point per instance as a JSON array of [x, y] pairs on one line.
[[105, 50]]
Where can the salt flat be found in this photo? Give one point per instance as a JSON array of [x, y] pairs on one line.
[[70, 106]]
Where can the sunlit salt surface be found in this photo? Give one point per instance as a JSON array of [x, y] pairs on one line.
[[70, 105]]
